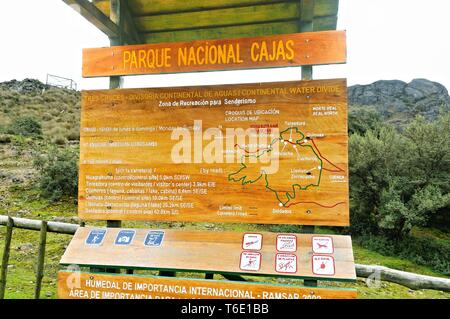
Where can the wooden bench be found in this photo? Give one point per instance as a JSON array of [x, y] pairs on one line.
[[299, 256]]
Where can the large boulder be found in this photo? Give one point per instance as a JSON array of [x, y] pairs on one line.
[[399, 101]]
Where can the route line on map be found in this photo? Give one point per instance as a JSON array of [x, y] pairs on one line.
[[339, 169], [316, 203], [289, 195]]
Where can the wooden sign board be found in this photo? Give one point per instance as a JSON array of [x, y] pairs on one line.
[[272, 153], [102, 286], [311, 48], [328, 257]]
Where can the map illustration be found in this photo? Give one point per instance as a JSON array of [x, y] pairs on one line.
[[293, 144]]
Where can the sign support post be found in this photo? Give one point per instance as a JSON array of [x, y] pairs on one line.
[[116, 82], [307, 25]]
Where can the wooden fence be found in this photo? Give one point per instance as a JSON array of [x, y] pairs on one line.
[[410, 280]]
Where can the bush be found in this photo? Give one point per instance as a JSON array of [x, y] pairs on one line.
[[59, 140], [422, 251], [58, 173], [25, 126], [399, 180], [362, 120], [5, 139], [73, 135]]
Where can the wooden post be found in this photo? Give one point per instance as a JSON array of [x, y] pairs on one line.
[[307, 25], [167, 273], [41, 260], [6, 250], [209, 275], [116, 82]]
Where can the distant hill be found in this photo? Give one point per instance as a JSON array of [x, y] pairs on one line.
[[398, 102], [58, 109]]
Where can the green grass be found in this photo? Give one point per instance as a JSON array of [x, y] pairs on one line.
[[368, 257]]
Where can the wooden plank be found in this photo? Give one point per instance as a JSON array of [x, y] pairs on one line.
[[155, 7], [219, 17], [309, 48], [138, 163], [216, 252], [325, 18], [99, 286], [251, 30], [323, 8]]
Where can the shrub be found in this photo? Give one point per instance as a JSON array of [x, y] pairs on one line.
[[58, 170], [399, 180], [422, 251], [25, 126], [73, 135], [5, 139], [59, 140]]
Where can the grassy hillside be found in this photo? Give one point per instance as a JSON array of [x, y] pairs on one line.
[[58, 110]]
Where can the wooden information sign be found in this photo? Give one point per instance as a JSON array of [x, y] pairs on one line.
[[309, 48], [272, 153], [102, 286], [328, 257]]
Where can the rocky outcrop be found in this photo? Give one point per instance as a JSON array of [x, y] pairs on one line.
[[399, 101], [25, 86]]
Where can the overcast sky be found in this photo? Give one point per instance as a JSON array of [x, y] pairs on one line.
[[386, 39]]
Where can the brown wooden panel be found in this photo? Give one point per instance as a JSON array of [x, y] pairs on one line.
[[131, 165], [251, 30], [219, 17], [102, 286], [155, 7], [311, 48], [219, 252]]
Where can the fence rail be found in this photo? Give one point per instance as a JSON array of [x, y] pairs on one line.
[[407, 279]]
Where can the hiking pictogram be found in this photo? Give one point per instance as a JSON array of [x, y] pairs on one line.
[[96, 237]]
